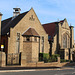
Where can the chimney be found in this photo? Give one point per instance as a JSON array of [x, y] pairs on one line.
[[0, 27], [16, 11]]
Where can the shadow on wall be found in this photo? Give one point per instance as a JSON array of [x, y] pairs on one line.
[[51, 44]]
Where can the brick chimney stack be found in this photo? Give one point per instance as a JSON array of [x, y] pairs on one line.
[[16, 11]]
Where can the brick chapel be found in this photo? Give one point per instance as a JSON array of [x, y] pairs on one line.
[[61, 38], [23, 33]]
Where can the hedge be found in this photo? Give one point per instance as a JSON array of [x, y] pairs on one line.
[[44, 57]]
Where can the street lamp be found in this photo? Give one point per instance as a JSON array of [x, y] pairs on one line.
[[2, 47]]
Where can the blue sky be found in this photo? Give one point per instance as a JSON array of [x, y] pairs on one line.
[[46, 10]]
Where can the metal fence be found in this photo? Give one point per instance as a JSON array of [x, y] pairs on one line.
[[13, 59]]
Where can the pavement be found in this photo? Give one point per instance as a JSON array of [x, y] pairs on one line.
[[24, 69]]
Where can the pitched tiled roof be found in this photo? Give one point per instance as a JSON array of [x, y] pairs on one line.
[[10, 23], [50, 28], [30, 32]]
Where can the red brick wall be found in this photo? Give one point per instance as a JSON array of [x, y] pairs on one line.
[[4, 41]]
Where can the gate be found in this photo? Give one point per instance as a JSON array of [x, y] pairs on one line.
[[13, 59]]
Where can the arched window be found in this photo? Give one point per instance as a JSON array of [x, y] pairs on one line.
[[68, 42], [64, 41], [18, 43], [42, 44]]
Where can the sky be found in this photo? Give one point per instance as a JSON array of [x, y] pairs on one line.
[[46, 10]]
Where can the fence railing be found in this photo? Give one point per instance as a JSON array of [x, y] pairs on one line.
[[13, 59]]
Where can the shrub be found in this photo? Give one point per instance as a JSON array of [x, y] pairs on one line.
[[56, 55], [43, 57], [53, 58], [63, 60]]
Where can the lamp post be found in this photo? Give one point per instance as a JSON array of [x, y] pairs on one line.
[[2, 47]]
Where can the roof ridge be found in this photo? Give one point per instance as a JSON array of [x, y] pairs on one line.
[[53, 22], [12, 16], [31, 32], [26, 30], [10, 24]]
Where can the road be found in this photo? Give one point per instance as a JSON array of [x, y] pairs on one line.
[[43, 72]]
